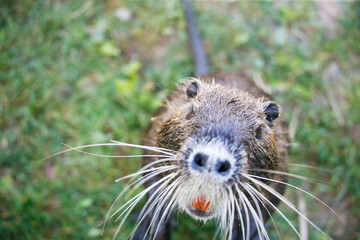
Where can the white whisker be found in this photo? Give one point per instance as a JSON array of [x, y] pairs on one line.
[[240, 216], [231, 212], [218, 229], [312, 180], [169, 207], [262, 203], [261, 219], [168, 167], [148, 166], [302, 190], [309, 166], [274, 207], [158, 198], [162, 197], [156, 149], [259, 225], [118, 197], [256, 204], [246, 212], [137, 198], [286, 201], [164, 151], [113, 156], [139, 182], [157, 172]]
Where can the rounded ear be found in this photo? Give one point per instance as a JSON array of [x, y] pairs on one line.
[[271, 110], [193, 88]]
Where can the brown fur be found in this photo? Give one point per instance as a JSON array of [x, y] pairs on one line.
[[233, 100]]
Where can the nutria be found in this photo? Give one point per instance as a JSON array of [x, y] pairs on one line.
[[223, 136], [219, 133]]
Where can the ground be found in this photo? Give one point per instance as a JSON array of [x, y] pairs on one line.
[[87, 71]]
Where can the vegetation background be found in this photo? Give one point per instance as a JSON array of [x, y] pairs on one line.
[[88, 71]]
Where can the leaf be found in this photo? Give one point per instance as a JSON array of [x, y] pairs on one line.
[[107, 48], [131, 70]]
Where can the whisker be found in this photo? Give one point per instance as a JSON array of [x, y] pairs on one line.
[[172, 196], [259, 213], [113, 156], [158, 197], [157, 172], [259, 225], [137, 198], [308, 179], [274, 207], [169, 167], [309, 166], [148, 166], [162, 198], [267, 210], [286, 201], [162, 150], [218, 229], [145, 191], [139, 182], [117, 198], [302, 190], [240, 216], [111, 144], [246, 212], [257, 206], [169, 207], [231, 211], [225, 220]]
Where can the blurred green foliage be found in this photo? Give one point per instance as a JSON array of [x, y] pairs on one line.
[[82, 72]]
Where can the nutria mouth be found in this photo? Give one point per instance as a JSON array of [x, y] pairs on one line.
[[201, 214]]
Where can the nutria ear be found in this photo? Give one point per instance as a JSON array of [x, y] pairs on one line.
[[193, 88], [271, 110]]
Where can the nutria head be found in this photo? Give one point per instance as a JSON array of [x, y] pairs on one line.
[[219, 134]]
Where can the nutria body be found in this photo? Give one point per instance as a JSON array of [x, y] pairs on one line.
[[225, 145], [227, 112]]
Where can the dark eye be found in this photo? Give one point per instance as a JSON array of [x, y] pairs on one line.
[[191, 113], [258, 133]]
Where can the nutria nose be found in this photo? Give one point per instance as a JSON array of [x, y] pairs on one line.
[[200, 160], [222, 167]]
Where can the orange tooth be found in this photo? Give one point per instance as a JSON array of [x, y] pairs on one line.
[[206, 207], [200, 203]]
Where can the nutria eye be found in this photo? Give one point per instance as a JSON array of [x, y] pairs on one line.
[[191, 113], [258, 133]]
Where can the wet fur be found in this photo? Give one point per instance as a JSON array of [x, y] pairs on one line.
[[171, 127]]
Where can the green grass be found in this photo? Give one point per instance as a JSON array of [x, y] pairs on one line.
[[73, 72]]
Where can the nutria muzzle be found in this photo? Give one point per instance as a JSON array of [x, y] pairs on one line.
[[216, 150]]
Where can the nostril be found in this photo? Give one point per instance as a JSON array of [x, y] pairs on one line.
[[223, 167], [200, 159]]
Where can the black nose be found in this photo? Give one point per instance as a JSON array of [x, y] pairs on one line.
[[222, 167], [200, 160]]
